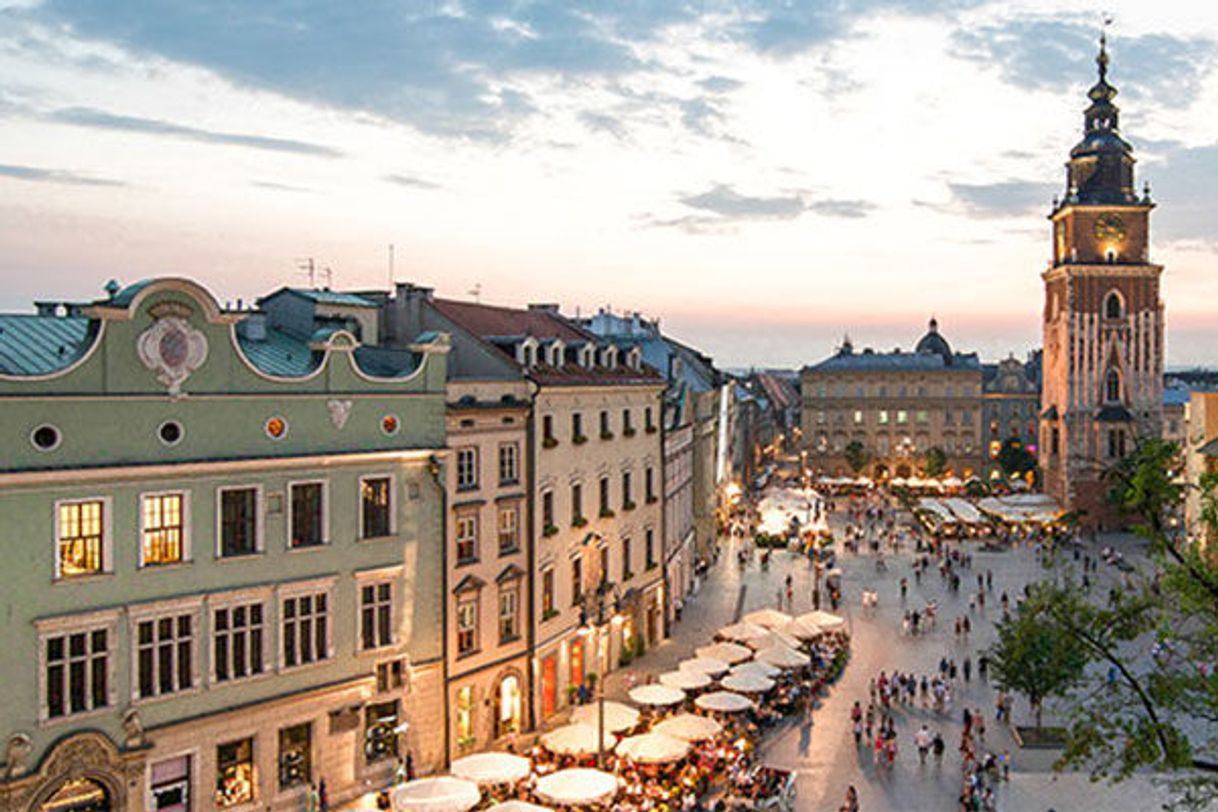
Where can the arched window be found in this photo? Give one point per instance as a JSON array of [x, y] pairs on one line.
[[1112, 386], [1113, 306]]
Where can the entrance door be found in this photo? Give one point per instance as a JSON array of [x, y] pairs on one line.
[[652, 614], [78, 795], [577, 662], [549, 686], [171, 785], [507, 718]]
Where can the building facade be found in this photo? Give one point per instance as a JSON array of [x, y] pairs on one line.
[[897, 406], [222, 531], [1103, 318], [1010, 406]]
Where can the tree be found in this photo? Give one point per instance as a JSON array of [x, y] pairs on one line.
[[857, 456], [1014, 458], [1142, 711], [1032, 657], [936, 461]]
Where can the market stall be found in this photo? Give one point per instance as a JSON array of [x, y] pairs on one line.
[[439, 794]]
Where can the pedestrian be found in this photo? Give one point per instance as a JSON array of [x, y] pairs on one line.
[[968, 627], [870, 719], [1006, 765], [851, 803], [922, 740], [951, 670], [967, 668], [904, 587], [857, 726], [312, 799], [983, 666], [892, 751], [323, 797], [938, 746], [879, 749], [979, 724], [968, 721]]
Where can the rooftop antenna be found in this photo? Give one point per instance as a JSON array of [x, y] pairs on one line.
[[329, 273], [391, 266], [476, 292], [309, 268]]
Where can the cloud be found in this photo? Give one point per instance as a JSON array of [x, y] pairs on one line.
[[410, 181], [604, 123], [279, 187], [1060, 53], [1182, 182], [846, 209], [720, 84], [66, 177], [726, 202], [722, 209], [1009, 198], [100, 119]]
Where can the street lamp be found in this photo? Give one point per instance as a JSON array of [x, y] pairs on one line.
[[605, 597]]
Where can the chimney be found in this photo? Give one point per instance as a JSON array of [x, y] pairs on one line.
[[544, 307]]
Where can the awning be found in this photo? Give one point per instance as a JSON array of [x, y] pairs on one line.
[[440, 794], [618, 717], [491, 768], [689, 727], [577, 786]]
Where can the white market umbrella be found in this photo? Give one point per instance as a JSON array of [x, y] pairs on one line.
[[711, 666], [730, 653], [618, 717], [756, 668], [520, 806], [775, 639], [724, 702], [660, 696], [742, 632], [577, 786], [687, 679], [653, 748], [824, 620], [747, 683], [491, 768], [440, 794], [576, 740], [802, 629], [782, 657], [690, 727], [769, 618]]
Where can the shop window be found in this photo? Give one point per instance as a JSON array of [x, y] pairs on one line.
[[465, 716], [295, 755], [169, 785], [380, 731], [235, 773]]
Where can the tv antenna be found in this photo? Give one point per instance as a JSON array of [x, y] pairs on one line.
[[476, 291], [309, 268]]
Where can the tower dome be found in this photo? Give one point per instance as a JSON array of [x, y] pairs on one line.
[[934, 344]]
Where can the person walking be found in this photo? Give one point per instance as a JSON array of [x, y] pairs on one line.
[[967, 668], [922, 740], [851, 804], [937, 745]]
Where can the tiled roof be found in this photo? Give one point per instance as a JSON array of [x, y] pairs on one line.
[[280, 354], [779, 391], [39, 345], [1174, 396], [897, 361], [334, 297]]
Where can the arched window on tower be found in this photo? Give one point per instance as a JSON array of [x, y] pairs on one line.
[[1112, 386], [1113, 306]]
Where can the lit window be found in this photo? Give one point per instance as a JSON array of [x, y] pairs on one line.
[[235, 773], [467, 625], [295, 749], [163, 530], [375, 508], [467, 538], [509, 530], [81, 542], [902, 417]]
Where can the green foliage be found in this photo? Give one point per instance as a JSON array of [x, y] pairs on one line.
[[1014, 458], [936, 461], [976, 488], [1034, 658], [856, 456]]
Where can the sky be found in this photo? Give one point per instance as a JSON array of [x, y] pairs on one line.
[[762, 176]]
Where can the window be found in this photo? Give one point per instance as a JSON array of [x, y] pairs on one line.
[[1054, 439], [627, 426], [604, 573], [1112, 305], [509, 620], [948, 420], [882, 417], [467, 469], [509, 464], [606, 433], [237, 639], [380, 731], [547, 430], [820, 418], [547, 593], [509, 529], [648, 424], [465, 716], [306, 629], [577, 580], [1116, 443], [295, 755], [883, 391], [627, 572], [858, 391], [238, 522], [77, 672], [164, 654], [390, 676], [604, 491], [649, 484], [308, 514], [467, 625], [81, 542], [858, 418], [921, 416], [649, 548], [375, 507], [235, 773], [547, 511], [921, 391], [169, 785], [577, 428], [467, 538], [1112, 386], [966, 417], [163, 529], [376, 615], [902, 417], [627, 498], [577, 504]]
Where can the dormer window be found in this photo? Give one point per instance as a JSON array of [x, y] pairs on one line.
[[609, 357], [634, 359], [526, 353], [554, 355], [587, 357]]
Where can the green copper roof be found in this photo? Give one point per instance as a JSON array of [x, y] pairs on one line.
[[334, 297], [124, 296], [280, 354], [39, 345]]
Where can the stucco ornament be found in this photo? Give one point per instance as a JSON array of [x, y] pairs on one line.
[[340, 410], [172, 349], [133, 726], [16, 753]]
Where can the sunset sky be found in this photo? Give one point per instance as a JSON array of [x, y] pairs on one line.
[[761, 176]]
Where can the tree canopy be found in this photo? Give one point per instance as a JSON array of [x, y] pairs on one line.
[[857, 456]]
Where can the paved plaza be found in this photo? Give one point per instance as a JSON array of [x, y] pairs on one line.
[[824, 756]]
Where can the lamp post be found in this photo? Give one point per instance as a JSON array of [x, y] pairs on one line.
[[605, 596]]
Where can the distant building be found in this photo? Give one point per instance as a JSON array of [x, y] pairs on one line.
[[1010, 406], [897, 405], [1103, 318], [1200, 457]]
